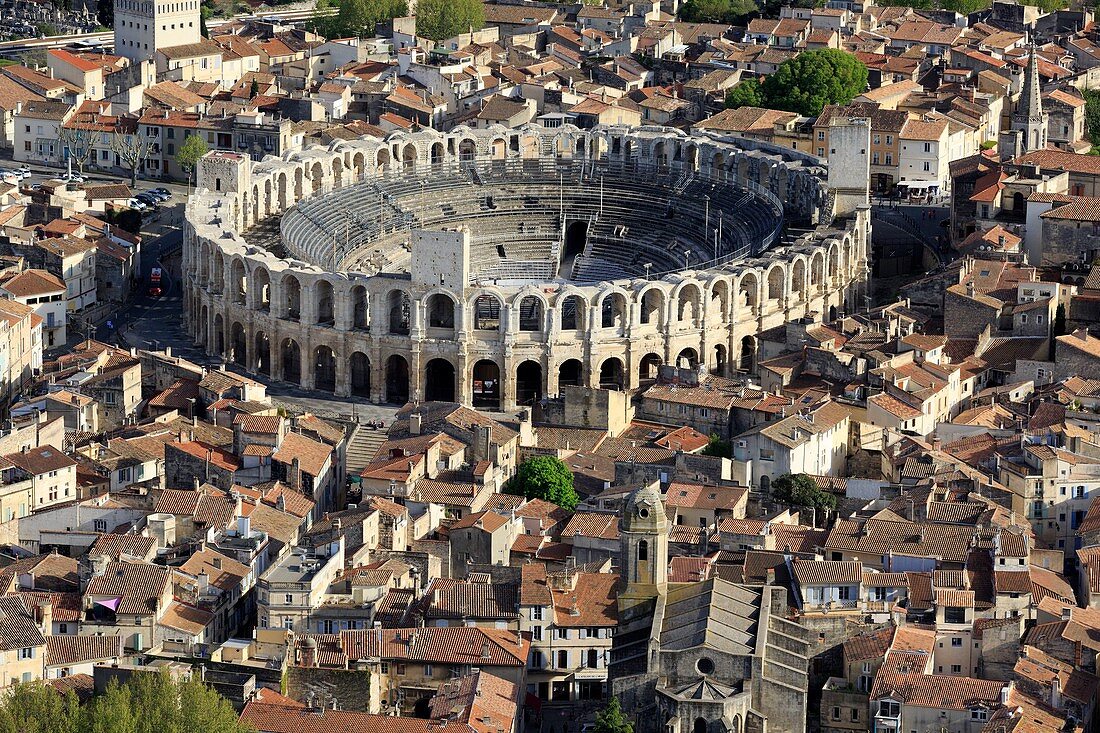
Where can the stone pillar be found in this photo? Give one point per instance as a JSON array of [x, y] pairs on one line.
[[343, 376], [508, 382], [377, 376]]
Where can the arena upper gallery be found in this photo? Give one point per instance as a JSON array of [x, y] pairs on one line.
[[492, 266]]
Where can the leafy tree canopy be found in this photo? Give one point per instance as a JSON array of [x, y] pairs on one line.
[[440, 19], [148, 703], [813, 79], [189, 153], [718, 11], [748, 93], [356, 18], [800, 490], [547, 478], [612, 720]]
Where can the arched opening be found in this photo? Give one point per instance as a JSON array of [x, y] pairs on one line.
[[576, 238], [239, 281], [282, 192], [570, 373], [398, 309], [530, 314], [499, 149], [750, 292], [700, 726], [337, 173], [383, 160], [441, 311], [263, 353], [649, 367], [1018, 203], [238, 345], [292, 361], [775, 284], [748, 355], [765, 483], [202, 337], [439, 381], [687, 359], [359, 162], [261, 289], [528, 383], [572, 313], [467, 151], [486, 313], [613, 311], [832, 313], [360, 313], [687, 305], [397, 380], [643, 550], [611, 374], [719, 300], [437, 153], [317, 177], [299, 177], [217, 278], [326, 313], [719, 360], [486, 385], [653, 307], [422, 708], [408, 157], [798, 281], [219, 335], [360, 374], [324, 369], [292, 298]]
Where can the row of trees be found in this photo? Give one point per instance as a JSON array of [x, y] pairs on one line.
[[148, 703], [435, 19], [130, 147], [804, 84]]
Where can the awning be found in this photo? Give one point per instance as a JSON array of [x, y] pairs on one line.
[[111, 603], [919, 184]]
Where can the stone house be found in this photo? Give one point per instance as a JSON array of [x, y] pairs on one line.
[[483, 538]]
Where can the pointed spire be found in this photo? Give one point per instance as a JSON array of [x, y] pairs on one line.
[[1030, 106]]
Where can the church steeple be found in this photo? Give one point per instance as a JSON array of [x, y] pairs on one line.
[[1029, 117]]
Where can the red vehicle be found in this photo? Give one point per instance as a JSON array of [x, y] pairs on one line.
[[154, 282]]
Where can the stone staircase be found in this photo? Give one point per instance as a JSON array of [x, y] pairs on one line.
[[362, 446]]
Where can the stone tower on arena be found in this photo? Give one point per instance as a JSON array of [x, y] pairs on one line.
[[142, 27]]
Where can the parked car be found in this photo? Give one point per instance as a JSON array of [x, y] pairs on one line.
[[72, 178], [163, 192], [155, 196], [148, 200], [24, 169], [137, 204]]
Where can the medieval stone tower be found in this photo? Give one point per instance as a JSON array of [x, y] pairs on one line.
[[1029, 118], [643, 540]]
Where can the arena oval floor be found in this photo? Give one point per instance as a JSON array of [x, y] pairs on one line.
[[493, 266]]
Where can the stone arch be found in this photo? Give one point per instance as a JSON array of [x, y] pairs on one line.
[[238, 345], [219, 335], [217, 276], [485, 384], [267, 197], [317, 176], [649, 367], [409, 156], [441, 311], [262, 354], [528, 382], [653, 308], [437, 153], [660, 154], [360, 308], [398, 310], [817, 270], [776, 284], [326, 302], [612, 374], [299, 183], [613, 310], [440, 381], [292, 298], [359, 163], [261, 289], [291, 355], [382, 160], [718, 166], [202, 336], [205, 258], [498, 149], [747, 359], [238, 279], [532, 311], [337, 172], [689, 304], [720, 298], [397, 379], [687, 358], [282, 192], [572, 312], [324, 369], [487, 309], [467, 150], [571, 373], [359, 366], [720, 360], [748, 292], [798, 280]]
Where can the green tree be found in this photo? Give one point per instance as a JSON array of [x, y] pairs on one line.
[[718, 11], [440, 19], [35, 707], [612, 720], [718, 447], [189, 153], [203, 709], [1092, 114], [813, 79], [746, 94], [547, 478], [254, 89], [47, 29], [113, 711], [800, 490]]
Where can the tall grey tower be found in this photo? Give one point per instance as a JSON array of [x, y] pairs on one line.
[[1029, 118]]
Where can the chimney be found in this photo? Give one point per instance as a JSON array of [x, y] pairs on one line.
[[416, 423], [44, 616], [204, 583]]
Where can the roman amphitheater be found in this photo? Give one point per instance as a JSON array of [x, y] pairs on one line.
[[493, 266]]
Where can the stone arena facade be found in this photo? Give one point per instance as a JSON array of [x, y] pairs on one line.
[[493, 266]]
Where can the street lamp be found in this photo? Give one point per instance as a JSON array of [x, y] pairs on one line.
[[647, 267]]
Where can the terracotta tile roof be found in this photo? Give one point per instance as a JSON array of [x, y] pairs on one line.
[[533, 590], [224, 572], [41, 460], [868, 646], [591, 602], [139, 585], [18, 629], [66, 649], [117, 545], [470, 645], [66, 606], [186, 618], [33, 283], [51, 572], [489, 521], [878, 537], [690, 569], [283, 719], [592, 524], [462, 599], [700, 496], [827, 572]]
